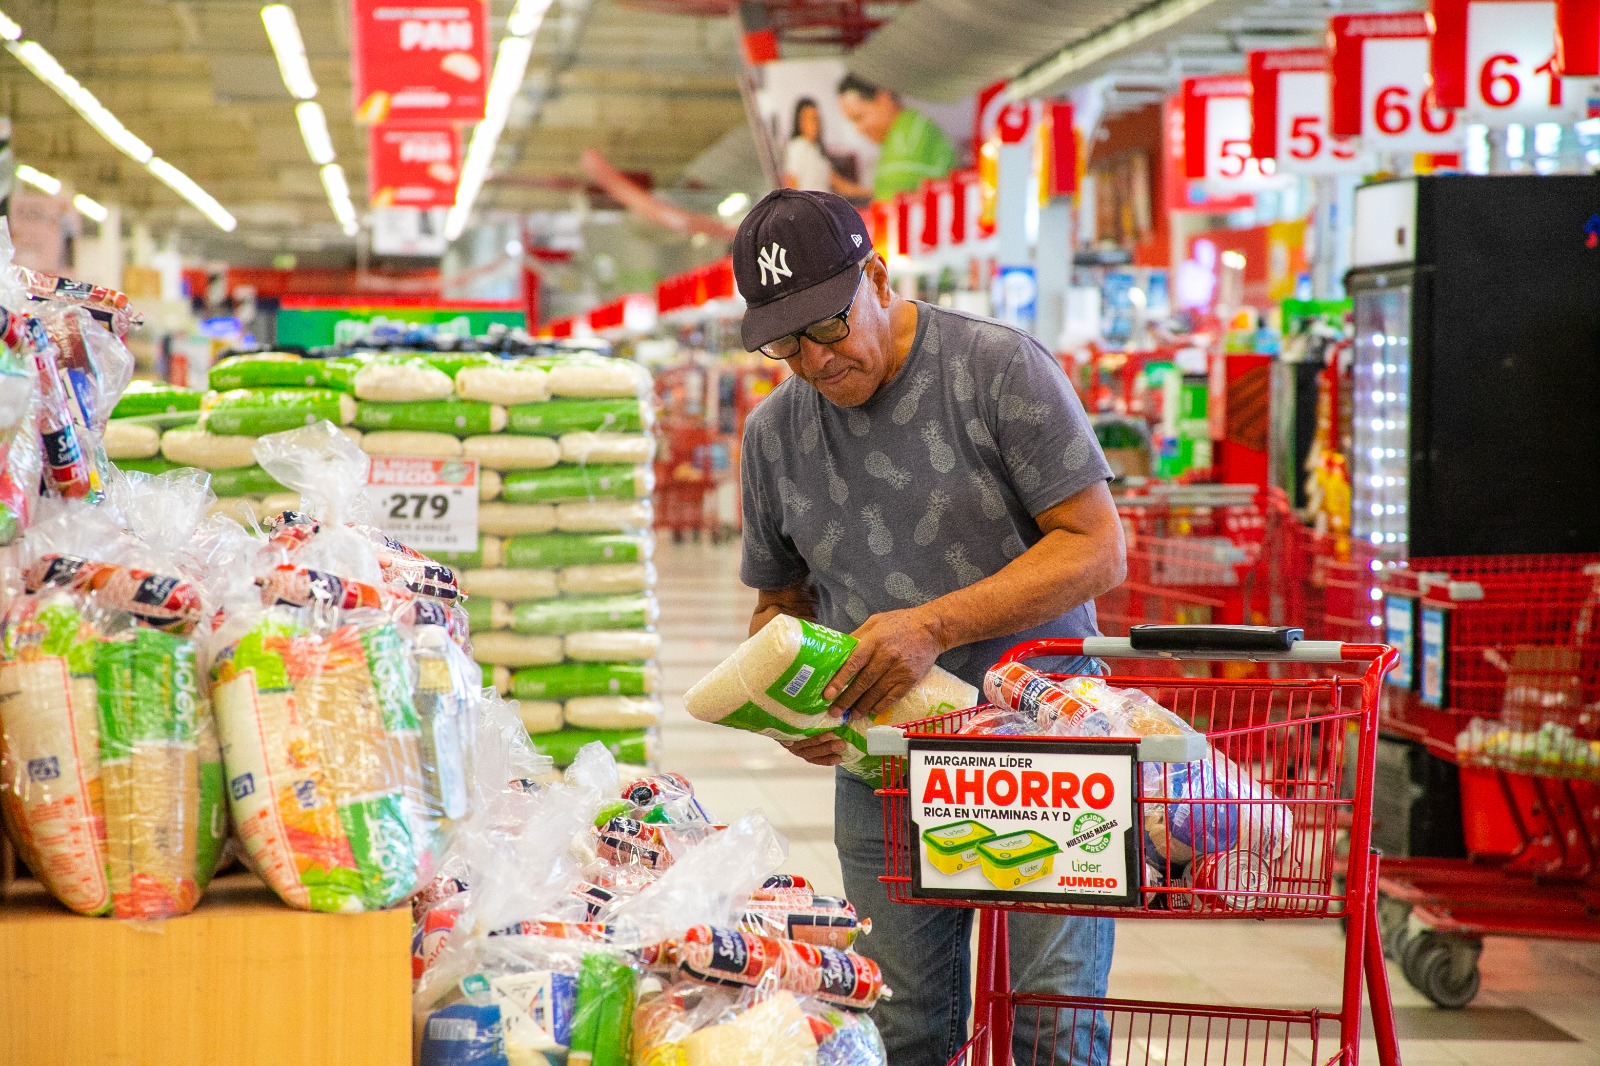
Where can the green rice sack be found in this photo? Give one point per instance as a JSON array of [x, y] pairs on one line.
[[487, 554], [566, 680], [257, 412], [625, 745], [464, 418], [555, 618], [605, 482], [144, 398], [156, 465], [244, 481], [556, 417], [573, 549], [266, 370]]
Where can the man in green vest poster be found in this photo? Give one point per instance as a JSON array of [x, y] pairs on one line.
[[911, 147]]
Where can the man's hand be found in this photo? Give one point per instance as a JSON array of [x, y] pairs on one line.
[[825, 749], [894, 651]]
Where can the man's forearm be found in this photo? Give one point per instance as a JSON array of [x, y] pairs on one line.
[[799, 600]]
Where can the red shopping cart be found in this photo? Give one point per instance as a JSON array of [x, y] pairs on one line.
[[1285, 859]]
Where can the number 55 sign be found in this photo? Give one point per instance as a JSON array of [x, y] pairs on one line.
[[1289, 92], [1496, 59], [1381, 93], [426, 504], [1216, 136]]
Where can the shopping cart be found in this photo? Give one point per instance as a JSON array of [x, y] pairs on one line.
[[1289, 735]]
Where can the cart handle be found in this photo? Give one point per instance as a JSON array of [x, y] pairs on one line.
[[1246, 643]]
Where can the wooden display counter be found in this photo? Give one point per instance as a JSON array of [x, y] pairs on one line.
[[243, 980]]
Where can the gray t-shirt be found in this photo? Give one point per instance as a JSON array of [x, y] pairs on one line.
[[929, 486]]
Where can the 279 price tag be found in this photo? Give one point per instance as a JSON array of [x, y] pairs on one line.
[[428, 504]]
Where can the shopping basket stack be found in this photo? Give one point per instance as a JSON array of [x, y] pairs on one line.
[[1310, 743], [1499, 670]]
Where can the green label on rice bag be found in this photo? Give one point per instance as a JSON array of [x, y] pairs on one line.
[[254, 413], [472, 560], [753, 719], [599, 482], [391, 679], [155, 400], [453, 363], [244, 481], [625, 745], [333, 889], [575, 614], [822, 652], [555, 417], [535, 552], [213, 816], [268, 370], [260, 650], [62, 632], [338, 374], [464, 418], [154, 465], [566, 680], [480, 613], [148, 691], [385, 852]]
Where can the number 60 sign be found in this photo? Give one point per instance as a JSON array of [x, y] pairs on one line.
[[1381, 91]]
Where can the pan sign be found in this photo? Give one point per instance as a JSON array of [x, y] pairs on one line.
[[420, 61], [1023, 821]]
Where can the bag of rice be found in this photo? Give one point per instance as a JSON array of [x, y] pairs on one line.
[[606, 580], [607, 448], [598, 379], [635, 746], [411, 442], [556, 417], [244, 481], [575, 549], [196, 447], [513, 453], [257, 412], [391, 379], [153, 466], [486, 555], [603, 516], [613, 645], [565, 680], [509, 383], [598, 482], [500, 677], [513, 585], [130, 440], [489, 484], [144, 398], [266, 370], [498, 648], [540, 716], [458, 417], [613, 712], [513, 519], [578, 613]]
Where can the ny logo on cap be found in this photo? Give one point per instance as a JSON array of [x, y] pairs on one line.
[[774, 261]]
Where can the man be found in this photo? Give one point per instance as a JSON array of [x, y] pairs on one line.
[[911, 148], [929, 482]]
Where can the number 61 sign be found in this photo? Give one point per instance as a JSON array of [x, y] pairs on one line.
[[1289, 92], [1496, 59]]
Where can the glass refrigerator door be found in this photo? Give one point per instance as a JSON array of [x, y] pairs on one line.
[[1380, 411]]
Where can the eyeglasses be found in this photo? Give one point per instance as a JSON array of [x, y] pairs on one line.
[[828, 331]]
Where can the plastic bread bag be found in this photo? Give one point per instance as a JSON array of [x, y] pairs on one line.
[[330, 472], [686, 1024], [1207, 807], [730, 958]]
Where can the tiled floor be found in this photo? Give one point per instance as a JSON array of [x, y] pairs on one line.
[[1539, 1004]]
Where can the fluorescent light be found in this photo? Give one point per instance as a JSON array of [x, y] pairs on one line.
[[735, 202], [9, 30], [290, 49], [91, 208], [39, 180], [526, 17], [1075, 57], [338, 190], [510, 64], [314, 130], [185, 186]]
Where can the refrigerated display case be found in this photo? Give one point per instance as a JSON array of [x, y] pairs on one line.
[[1477, 365]]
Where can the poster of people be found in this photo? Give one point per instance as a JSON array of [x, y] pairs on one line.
[[819, 127]]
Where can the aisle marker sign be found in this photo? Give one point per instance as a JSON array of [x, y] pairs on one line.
[[1289, 91], [1028, 821], [1216, 136], [427, 504], [420, 61], [1496, 60], [1381, 91], [413, 166]]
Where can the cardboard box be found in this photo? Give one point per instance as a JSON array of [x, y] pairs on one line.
[[244, 980]]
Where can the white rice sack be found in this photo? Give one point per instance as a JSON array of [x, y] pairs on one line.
[[607, 646], [510, 384], [488, 483], [601, 580], [512, 453], [129, 440], [607, 447], [602, 516], [512, 585], [594, 379], [492, 551], [498, 648], [785, 646], [613, 712], [242, 509], [352, 432], [501, 615], [280, 502], [540, 716], [514, 519], [411, 442], [386, 382], [500, 679], [196, 447]]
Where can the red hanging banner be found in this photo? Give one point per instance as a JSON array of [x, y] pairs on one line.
[[413, 166], [1578, 38], [1289, 92], [1062, 149], [420, 61], [1496, 60], [1216, 134], [1381, 90]]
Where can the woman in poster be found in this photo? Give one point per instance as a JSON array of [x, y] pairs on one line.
[[806, 164]]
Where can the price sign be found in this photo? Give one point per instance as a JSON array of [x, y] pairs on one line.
[[1216, 131], [427, 504], [1289, 91], [1381, 91], [1496, 59]]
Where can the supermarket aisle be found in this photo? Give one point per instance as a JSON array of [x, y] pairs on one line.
[[1537, 1006]]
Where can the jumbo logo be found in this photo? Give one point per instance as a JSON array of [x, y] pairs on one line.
[[1027, 788]]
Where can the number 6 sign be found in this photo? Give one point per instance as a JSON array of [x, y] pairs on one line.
[[1289, 115], [1380, 84], [1216, 135], [1496, 59]]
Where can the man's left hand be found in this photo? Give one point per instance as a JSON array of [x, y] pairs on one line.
[[894, 651]]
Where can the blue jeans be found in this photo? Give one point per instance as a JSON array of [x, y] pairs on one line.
[[924, 953]]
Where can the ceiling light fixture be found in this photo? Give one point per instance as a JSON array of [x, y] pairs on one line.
[[39, 180], [290, 49], [91, 208], [1081, 54], [510, 64], [338, 190], [733, 204], [526, 17], [185, 186], [314, 131]]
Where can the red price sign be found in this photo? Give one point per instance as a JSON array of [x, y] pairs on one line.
[[1289, 92], [1496, 59], [413, 166], [1216, 132], [1381, 92], [420, 61]]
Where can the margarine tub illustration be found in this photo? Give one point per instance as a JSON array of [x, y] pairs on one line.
[[1014, 860], [954, 847]]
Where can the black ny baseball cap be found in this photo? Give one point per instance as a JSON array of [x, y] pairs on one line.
[[794, 259]]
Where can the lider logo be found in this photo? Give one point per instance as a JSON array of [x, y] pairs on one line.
[[1591, 232]]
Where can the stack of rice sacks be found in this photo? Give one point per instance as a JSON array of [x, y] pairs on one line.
[[561, 590]]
